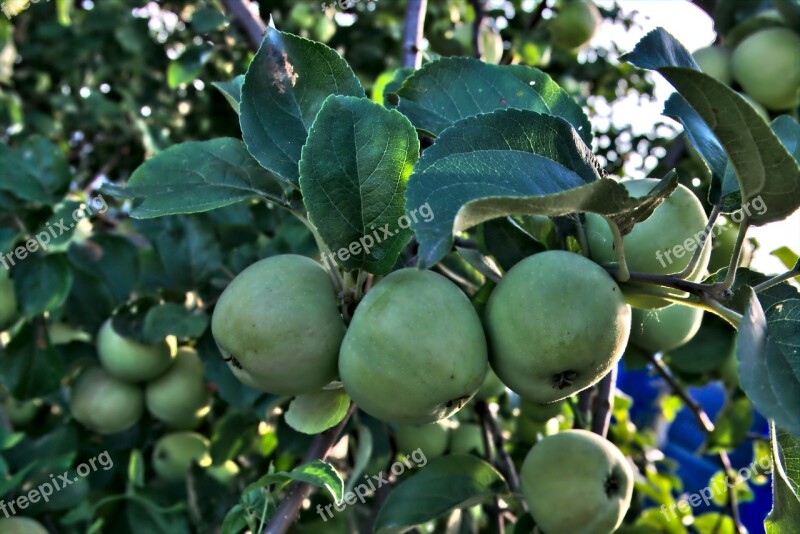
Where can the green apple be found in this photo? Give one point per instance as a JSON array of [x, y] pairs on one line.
[[491, 388], [105, 404], [415, 351], [8, 300], [557, 323], [575, 25], [21, 525], [175, 453], [432, 439], [716, 62], [224, 473], [584, 470], [540, 413], [662, 244], [767, 66], [129, 360], [665, 329], [180, 397], [279, 327], [467, 438], [21, 413]]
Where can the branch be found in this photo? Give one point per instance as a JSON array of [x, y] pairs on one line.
[[493, 506], [412, 35], [299, 491], [537, 15], [480, 19], [244, 15], [504, 460], [603, 402]]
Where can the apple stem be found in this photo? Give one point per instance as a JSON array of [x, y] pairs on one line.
[[788, 275], [704, 241], [583, 241], [723, 288], [623, 274]]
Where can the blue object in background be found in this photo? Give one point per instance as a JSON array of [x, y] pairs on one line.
[[683, 438]]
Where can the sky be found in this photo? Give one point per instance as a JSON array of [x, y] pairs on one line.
[[694, 29]]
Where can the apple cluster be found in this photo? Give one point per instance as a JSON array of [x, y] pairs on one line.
[[416, 351]]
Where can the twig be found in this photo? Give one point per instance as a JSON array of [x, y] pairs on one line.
[[725, 460], [412, 35], [504, 460], [698, 253], [477, 26], [537, 15], [724, 287], [623, 275], [244, 15], [289, 508], [494, 506], [766, 284], [603, 402]]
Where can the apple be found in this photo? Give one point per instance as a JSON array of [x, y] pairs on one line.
[[175, 453], [665, 329], [224, 473], [21, 525], [491, 388], [105, 404], [129, 360], [767, 66], [467, 438], [716, 62], [415, 351], [584, 470], [661, 244], [21, 413], [540, 413], [179, 397], [575, 25], [432, 439], [557, 323], [8, 301], [279, 327]]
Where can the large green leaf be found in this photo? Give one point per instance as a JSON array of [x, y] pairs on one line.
[[31, 368], [198, 176], [353, 175], [42, 283], [785, 514], [447, 483], [767, 374], [317, 473], [513, 162], [445, 91], [36, 171], [284, 88], [763, 166]]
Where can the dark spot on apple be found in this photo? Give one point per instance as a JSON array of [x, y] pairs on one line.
[[611, 485], [565, 379], [457, 403]]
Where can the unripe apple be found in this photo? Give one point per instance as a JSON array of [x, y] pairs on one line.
[[491, 388], [540, 413], [575, 25], [279, 327], [20, 413], [179, 397], [467, 438], [225, 473], [105, 404], [767, 66], [716, 62], [584, 470], [8, 300], [415, 351], [432, 439], [21, 525], [665, 329], [129, 360], [175, 453], [557, 323], [661, 244]]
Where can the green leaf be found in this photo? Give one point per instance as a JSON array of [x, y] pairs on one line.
[[767, 376], [788, 257], [42, 283], [731, 426], [136, 467], [199, 176], [445, 91], [36, 171], [207, 19], [284, 88], [232, 91], [446, 483], [513, 162], [31, 368], [785, 514], [187, 67], [763, 166], [353, 175], [313, 413], [317, 473], [706, 351], [111, 258], [173, 319]]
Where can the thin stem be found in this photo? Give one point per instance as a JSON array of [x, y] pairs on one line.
[[412, 35], [725, 460], [691, 404], [477, 26], [325, 254], [299, 491], [623, 275], [727, 284], [733, 318], [493, 506], [583, 241], [603, 402], [537, 15], [505, 463], [698, 253], [788, 275], [244, 15]]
